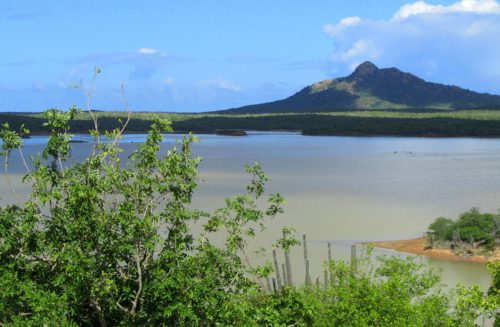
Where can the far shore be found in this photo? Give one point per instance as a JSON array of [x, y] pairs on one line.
[[304, 133], [417, 246]]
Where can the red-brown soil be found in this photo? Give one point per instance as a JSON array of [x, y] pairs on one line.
[[417, 246]]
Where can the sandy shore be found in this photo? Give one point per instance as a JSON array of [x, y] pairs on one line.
[[417, 245]]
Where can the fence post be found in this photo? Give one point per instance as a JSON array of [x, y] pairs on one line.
[[285, 281], [306, 260], [288, 264], [330, 272], [325, 276], [353, 259], [277, 269]]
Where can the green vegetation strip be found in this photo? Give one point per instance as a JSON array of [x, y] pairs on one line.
[[480, 123]]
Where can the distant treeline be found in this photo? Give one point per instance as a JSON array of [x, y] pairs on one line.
[[34, 122], [316, 124], [310, 124]]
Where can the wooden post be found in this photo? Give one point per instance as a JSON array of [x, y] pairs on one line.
[[285, 281], [353, 259], [330, 272], [308, 274], [277, 269], [288, 264], [275, 288], [306, 260], [268, 284], [317, 282]]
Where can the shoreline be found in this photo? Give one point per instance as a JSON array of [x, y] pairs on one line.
[[340, 134], [417, 246]]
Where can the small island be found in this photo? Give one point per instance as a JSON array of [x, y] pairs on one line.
[[231, 132], [473, 237]]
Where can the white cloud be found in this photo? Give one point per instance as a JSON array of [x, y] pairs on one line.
[[463, 6], [455, 44], [475, 29], [360, 49], [145, 62], [417, 8], [148, 51], [220, 83], [333, 30], [168, 81], [350, 21]]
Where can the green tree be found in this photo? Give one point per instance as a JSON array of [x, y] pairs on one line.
[[442, 228], [493, 302], [103, 242], [471, 226]]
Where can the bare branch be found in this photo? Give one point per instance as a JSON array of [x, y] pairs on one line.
[[138, 294], [98, 310], [247, 260], [61, 167], [24, 160], [88, 96], [121, 307], [127, 109]]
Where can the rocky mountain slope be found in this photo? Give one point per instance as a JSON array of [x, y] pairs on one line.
[[369, 87]]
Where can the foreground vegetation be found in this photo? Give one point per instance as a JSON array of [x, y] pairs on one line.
[[101, 242], [472, 233], [481, 123]]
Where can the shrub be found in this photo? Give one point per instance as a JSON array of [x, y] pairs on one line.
[[471, 226], [442, 228]]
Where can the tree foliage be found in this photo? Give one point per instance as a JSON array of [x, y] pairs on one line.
[[108, 242], [471, 226], [418, 122]]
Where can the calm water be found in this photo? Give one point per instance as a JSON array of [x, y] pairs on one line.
[[346, 189]]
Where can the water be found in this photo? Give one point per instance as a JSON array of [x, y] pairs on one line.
[[346, 189]]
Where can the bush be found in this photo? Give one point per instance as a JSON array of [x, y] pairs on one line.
[[442, 228], [471, 226], [103, 242]]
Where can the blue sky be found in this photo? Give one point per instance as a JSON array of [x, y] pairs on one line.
[[207, 55]]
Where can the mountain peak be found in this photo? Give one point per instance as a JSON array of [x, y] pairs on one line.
[[365, 69], [369, 87]]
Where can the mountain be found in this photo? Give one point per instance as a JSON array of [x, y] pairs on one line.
[[369, 87]]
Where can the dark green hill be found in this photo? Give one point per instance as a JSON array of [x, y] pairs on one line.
[[369, 87]]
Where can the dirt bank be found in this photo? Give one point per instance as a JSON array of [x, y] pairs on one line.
[[417, 245]]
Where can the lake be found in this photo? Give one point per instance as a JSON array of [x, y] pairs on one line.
[[345, 189]]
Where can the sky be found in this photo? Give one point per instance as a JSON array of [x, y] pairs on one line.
[[193, 56]]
